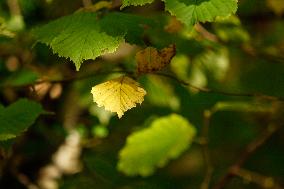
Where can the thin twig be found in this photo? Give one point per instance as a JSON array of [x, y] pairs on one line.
[[67, 80], [132, 73], [247, 49], [225, 93], [250, 149], [23, 179]]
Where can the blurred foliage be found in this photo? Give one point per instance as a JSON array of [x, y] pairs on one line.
[[218, 104], [165, 139], [16, 118]]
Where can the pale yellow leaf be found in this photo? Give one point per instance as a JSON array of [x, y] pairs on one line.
[[118, 95], [150, 59]]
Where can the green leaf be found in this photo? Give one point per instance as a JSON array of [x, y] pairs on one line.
[[230, 29], [165, 139], [192, 11], [17, 117], [100, 131], [6, 145], [83, 36], [130, 26], [126, 3], [22, 77], [4, 30]]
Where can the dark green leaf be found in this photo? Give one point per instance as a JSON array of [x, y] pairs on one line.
[[17, 117]]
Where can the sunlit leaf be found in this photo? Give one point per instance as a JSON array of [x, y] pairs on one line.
[[189, 71], [126, 3], [4, 30], [153, 147], [217, 63], [16, 23], [118, 95], [100, 131], [230, 29], [84, 36], [191, 12], [180, 65]]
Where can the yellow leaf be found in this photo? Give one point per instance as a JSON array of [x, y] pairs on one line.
[[150, 59], [118, 95]]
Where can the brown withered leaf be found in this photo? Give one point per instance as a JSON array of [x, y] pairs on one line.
[[151, 60]]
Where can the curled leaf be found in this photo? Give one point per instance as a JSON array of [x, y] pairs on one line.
[[118, 95], [150, 59]]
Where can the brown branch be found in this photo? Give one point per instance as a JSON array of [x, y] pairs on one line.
[[248, 49], [250, 149], [225, 93], [67, 80], [132, 73], [23, 179]]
